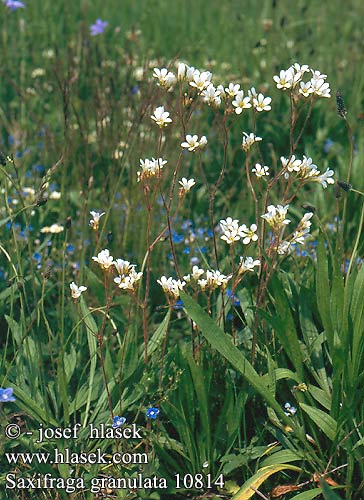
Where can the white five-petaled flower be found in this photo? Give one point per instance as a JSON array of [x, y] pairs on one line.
[[276, 216], [96, 216], [232, 89], [262, 103], [240, 102], [123, 266], [249, 234], [161, 117], [285, 79], [260, 171], [201, 80], [193, 143], [248, 264], [165, 78], [186, 185], [104, 259], [53, 229], [77, 290], [249, 140]]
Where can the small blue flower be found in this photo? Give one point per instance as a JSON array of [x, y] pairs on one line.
[[187, 250], [98, 27], [134, 90], [178, 304], [6, 395], [152, 413], [118, 421], [14, 4], [290, 410]]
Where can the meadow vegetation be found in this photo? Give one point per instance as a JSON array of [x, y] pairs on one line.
[[181, 245]]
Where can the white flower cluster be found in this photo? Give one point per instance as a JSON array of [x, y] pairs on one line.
[[171, 287], [291, 77], [202, 82], [305, 169], [193, 143], [276, 216], [298, 236], [127, 278], [249, 140], [247, 265], [150, 168], [232, 232], [213, 279]]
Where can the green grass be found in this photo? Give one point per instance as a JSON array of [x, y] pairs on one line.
[[219, 372]]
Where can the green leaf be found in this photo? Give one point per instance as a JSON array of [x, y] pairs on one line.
[[91, 332], [323, 289], [158, 336], [249, 487], [282, 457], [327, 491], [323, 421], [308, 495], [219, 341]]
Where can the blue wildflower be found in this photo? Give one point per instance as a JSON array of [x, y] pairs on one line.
[[134, 90], [98, 27], [118, 421], [178, 304], [187, 250], [152, 413], [14, 4], [290, 410], [6, 395]]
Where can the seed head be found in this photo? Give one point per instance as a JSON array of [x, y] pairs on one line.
[[340, 105]]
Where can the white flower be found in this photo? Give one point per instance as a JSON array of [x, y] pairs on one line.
[[150, 168], [285, 79], [53, 229], [181, 71], [306, 88], [262, 103], [193, 143], [55, 195], [291, 164], [201, 80], [221, 89], [276, 216], [241, 102], [161, 117], [290, 410], [249, 234], [232, 232], [232, 89], [130, 281], [320, 87], [165, 78], [171, 287], [211, 96], [325, 178], [215, 279], [186, 184], [104, 259], [94, 222], [249, 140], [77, 290], [283, 247], [197, 272], [123, 266], [260, 171], [248, 264], [252, 93], [190, 71], [203, 284]]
